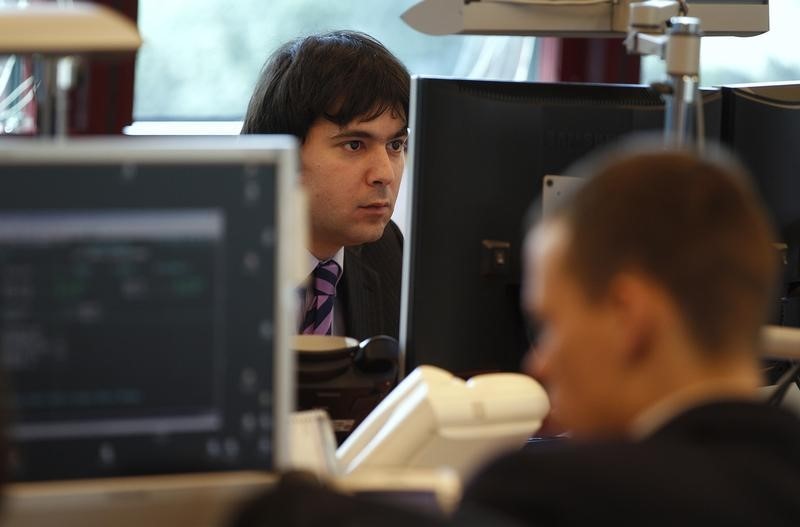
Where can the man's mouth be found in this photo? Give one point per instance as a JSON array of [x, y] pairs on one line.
[[376, 205]]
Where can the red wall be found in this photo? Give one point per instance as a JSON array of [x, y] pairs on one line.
[[102, 102], [587, 60]]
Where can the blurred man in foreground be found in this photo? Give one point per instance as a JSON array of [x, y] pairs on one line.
[[649, 286]]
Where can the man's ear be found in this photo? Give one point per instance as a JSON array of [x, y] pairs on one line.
[[634, 302]]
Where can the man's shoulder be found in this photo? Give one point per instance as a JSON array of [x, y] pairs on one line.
[[372, 279], [692, 438], [734, 423], [561, 484], [563, 460], [702, 456], [579, 484]]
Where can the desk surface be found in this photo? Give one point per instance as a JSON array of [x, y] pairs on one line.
[[198, 500], [195, 500]]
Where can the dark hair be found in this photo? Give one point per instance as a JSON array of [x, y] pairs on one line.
[[341, 76], [692, 223]]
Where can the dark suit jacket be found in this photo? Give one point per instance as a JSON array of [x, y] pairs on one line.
[[369, 289], [726, 464]]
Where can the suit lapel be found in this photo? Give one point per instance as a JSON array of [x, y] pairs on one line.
[[362, 299]]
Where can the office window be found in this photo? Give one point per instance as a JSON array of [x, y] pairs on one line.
[[771, 56], [201, 58]]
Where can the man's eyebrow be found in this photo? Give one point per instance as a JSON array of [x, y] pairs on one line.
[[355, 132], [402, 132]]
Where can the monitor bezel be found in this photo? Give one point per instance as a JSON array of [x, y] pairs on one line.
[[274, 149]]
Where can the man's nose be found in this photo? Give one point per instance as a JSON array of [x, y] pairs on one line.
[[382, 168], [537, 364]]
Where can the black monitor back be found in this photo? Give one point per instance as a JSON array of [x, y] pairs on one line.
[[479, 153], [761, 123]]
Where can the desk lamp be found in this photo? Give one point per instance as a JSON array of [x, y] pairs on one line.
[[653, 27]]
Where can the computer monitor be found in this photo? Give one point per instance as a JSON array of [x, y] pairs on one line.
[[145, 292], [761, 123], [478, 156]]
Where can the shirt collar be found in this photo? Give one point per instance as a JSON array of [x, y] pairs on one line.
[[312, 261], [659, 414]]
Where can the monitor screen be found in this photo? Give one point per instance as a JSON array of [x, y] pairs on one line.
[[479, 153], [761, 123], [141, 328]]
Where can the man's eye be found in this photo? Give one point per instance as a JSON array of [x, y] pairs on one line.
[[352, 145], [398, 145]]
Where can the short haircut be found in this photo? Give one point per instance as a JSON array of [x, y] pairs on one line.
[[690, 222], [339, 76]]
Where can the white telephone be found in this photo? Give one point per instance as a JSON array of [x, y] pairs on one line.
[[433, 420]]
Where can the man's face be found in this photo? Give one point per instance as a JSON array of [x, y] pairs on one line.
[[352, 175], [574, 356]]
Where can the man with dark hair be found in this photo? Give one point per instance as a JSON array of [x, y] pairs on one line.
[[346, 97], [649, 285]]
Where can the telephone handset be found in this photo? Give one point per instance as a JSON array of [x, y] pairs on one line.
[[434, 419], [429, 420]]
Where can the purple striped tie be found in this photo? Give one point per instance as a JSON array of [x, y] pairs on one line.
[[319, 313]]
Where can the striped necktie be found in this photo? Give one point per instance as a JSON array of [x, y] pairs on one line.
[[318, 319]]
